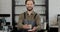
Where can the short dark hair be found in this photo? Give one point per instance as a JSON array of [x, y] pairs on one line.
[[30, 0]]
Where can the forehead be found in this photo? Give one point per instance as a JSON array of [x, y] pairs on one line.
[[29, 2]]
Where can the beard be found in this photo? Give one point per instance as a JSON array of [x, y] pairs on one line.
[[29, 8]]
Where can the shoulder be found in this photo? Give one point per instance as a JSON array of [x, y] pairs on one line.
[[37, 14], [22, 14]]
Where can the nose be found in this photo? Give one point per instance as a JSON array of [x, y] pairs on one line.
[[29, 5]]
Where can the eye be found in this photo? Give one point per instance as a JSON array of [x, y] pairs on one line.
[[29, 4]]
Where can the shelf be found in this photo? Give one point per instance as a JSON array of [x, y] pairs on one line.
[[58, 14], [54, 26], [43, 14], [40, 14], [53, 30], [37, 2], [4, 15], [35, 5]]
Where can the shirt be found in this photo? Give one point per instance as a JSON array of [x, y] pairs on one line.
[[30, 17]]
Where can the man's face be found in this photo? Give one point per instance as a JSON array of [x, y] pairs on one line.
[[29, 5]]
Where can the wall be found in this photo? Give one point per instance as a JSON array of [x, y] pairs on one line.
[[6, 8], [54, 10]]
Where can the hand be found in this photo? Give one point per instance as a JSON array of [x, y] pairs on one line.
[[34, 29], [25, 26], [31, 31]]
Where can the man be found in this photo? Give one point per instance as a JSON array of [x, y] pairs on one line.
[[29, 18]]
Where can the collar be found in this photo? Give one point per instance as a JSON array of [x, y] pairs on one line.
[[31, 13]]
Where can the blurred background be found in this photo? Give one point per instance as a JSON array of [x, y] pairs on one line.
[[40, 8], [54, 13], [10, 10], [49, 11]]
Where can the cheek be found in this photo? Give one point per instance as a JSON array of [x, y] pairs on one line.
[[26, 5], [32, 6]]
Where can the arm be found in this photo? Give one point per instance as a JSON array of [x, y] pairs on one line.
[[38, 22], [20, 25]]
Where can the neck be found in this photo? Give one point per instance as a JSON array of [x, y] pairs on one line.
[[29, 12]]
